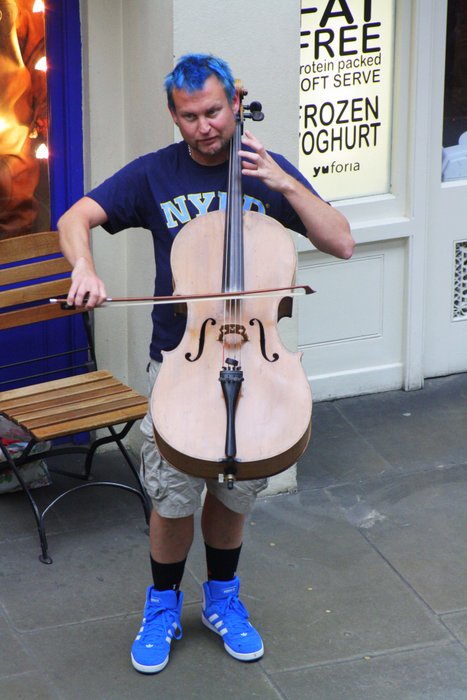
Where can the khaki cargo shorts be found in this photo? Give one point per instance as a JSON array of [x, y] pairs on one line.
[[177, 495]]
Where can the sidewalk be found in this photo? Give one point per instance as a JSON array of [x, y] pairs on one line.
[[355, 581]]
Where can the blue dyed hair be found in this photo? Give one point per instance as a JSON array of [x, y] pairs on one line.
[[192, 71]]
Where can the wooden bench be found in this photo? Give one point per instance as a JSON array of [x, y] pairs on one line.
[[33, 270]]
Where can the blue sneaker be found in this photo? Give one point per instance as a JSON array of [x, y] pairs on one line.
[[161, 623], [225, 614]]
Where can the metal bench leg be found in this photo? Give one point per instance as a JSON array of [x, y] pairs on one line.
[[117, 438], [44, 556]]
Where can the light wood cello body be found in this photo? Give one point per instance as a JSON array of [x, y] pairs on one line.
[[230, 401]]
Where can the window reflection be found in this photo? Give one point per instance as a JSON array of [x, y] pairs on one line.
[[24, 190], [455, 93]]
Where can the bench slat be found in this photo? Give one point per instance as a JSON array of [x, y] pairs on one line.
[[67, 395], [32, 419], [82, 379], [32, 245], [32, 271], [90, 423], [44, 312], [34, 292]]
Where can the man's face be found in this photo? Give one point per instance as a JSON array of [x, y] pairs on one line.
[[206, 121]]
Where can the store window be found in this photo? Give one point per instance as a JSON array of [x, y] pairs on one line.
[[24, 177], [346, 84], [41, 161], [41, 157], [455, 93]]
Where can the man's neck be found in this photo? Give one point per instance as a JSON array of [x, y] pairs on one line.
[[209, 160]]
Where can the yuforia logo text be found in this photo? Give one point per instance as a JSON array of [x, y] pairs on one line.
[[334, 168]]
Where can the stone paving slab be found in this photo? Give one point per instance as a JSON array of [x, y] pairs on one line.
[[457, 624], [17, 519], [29, 686], [327, 594], [418, 523], [436, 673], [13, 656], [321, 592], [355, 582], [92, 505], [325, 464], [369, 436], [91, 660], [417, 429], [97, 573]]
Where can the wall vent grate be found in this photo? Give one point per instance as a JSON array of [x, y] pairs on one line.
[[460, 281]]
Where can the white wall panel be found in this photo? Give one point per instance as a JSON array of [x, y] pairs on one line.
[[351, 330]]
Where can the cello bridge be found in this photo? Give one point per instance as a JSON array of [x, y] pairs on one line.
[[232, 329]]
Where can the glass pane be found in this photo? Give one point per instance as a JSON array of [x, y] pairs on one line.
[[346, 85], [24, 176], [455, 93]]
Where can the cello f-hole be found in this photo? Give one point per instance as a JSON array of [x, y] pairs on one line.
[[262, 341], [202, 337]]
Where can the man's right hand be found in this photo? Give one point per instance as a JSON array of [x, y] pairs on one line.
[[87, 289]]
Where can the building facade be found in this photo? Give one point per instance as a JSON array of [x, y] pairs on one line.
[[396, 312], [368, 98]]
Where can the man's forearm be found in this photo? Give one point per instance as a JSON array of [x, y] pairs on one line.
[[75, 241], [326, 227]]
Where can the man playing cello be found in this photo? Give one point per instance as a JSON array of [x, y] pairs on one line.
[[161, 192]]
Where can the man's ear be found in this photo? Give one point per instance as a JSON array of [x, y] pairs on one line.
[[173, 115], [236, 102]]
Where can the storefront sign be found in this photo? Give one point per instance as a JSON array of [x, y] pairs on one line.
[[346, 79]]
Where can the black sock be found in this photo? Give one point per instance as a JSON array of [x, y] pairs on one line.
[[222, 563], [167, 577]]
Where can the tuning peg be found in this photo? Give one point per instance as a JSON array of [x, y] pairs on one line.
[[255, 112]]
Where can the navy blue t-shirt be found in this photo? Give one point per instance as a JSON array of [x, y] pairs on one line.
[[164, 190]]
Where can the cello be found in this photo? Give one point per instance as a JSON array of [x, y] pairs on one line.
[[231, 402]]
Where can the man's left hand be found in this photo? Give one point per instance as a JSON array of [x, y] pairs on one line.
[[258, 163]]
